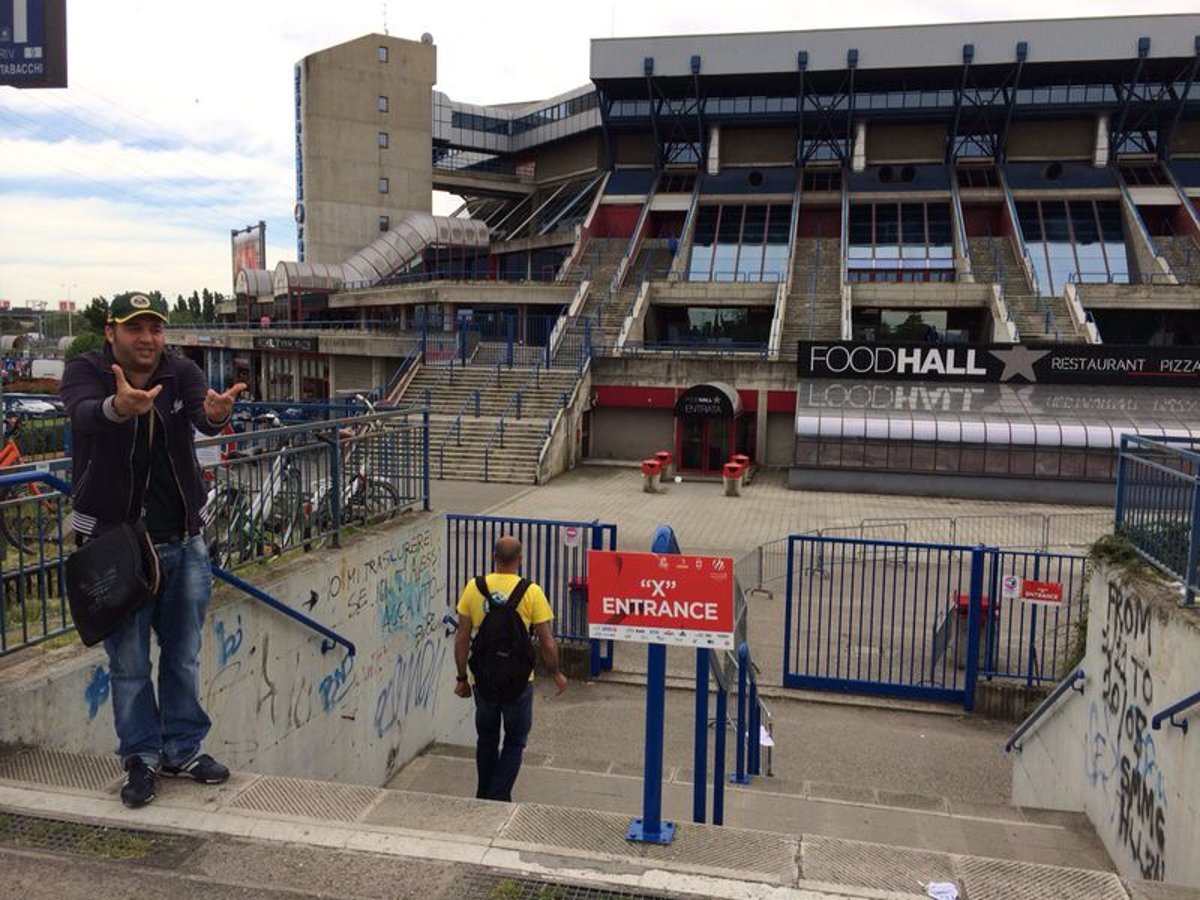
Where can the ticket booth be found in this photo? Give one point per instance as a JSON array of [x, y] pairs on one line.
[[707, 418]]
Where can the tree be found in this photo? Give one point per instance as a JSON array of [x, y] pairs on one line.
[[85, 342], [194, 306], [96, 314], [209, 307]]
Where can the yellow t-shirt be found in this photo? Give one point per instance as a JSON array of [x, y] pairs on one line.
[[534, 608]]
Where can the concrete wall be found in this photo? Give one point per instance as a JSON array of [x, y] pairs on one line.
[[905, 143], [582, 153], [758, 146], [277, 703], [781, 440], [634, 149], [1098, 753], [1070, 139], [342, 158], [631, 433], [566, 443]]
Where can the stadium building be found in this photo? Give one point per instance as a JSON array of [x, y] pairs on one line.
[[962, 258]]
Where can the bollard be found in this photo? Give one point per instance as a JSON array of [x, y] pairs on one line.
[[664, 459], [731, 477], [651, 475]]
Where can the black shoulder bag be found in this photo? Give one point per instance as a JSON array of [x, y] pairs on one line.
[[109, 578]]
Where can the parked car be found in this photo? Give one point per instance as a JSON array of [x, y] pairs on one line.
[[32, 407]]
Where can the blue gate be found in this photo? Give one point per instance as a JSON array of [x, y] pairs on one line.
[[555, 556], [922, 620]]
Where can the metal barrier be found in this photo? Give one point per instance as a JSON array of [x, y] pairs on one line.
[[301, 485], [884, 617], [1158, 505], [34, 527], [555, 556], [924, 620]]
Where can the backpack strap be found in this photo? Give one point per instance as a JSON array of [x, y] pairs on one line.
[[481, 586], [518, 592]]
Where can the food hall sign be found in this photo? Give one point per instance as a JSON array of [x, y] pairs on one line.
[[1017, 363]]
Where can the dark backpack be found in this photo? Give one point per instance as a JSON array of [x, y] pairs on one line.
[[501, 653]]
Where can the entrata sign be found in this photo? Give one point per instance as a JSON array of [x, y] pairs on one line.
[[661, 599], [1090, 364]]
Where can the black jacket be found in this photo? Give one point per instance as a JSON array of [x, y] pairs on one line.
[[102, 443]]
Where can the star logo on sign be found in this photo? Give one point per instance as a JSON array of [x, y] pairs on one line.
[[1019, 361]]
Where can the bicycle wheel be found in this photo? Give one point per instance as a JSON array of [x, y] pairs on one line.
[[223, 519], [374, 501], [27, 521]]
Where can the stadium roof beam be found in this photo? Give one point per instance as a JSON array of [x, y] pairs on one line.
[[1164, 140], [826, 129], [673, 104], [1120, 134], [983, 112]]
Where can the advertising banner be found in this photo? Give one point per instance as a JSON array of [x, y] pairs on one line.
[[661, 599], [1090, 364]]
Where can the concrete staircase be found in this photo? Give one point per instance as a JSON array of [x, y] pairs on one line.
[[66, 837], [603, 313], [476, 448], [814, 307], [1183, 255], [994, 260]]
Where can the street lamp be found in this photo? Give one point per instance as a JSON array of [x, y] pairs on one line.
[[70, 307]]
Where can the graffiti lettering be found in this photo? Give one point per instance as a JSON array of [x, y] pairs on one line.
[[335, 687], [1121, 758], [227, 644], [266, 693], [97, 691], [412, 685]]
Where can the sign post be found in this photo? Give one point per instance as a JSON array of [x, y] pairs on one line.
[[659, 598]]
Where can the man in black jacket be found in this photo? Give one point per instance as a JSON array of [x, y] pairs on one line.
[[133, 409]]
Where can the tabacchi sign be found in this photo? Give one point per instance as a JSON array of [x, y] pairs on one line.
[[661, 599]]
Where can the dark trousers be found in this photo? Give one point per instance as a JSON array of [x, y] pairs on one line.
[[498, 767]]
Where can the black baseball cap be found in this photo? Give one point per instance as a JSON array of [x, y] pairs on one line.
[[125, 307]]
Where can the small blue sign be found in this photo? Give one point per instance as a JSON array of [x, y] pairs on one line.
[[23, 55]]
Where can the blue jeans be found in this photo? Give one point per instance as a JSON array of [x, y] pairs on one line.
[[498, 768], [170, 729]]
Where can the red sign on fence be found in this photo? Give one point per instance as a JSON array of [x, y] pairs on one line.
[[1047, 592], [661, 599]]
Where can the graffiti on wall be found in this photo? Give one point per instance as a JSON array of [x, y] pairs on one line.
[[412, 685], [1121, 758]]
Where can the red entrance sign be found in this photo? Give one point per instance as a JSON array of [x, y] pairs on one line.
[[661, 599], [1048, 592]]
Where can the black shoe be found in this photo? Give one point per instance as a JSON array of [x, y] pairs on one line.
[[202, 768], [138, 789]]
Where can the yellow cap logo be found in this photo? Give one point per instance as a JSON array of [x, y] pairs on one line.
[[139, 301]]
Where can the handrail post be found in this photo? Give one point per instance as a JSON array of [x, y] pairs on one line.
[[974, 608], [425, 455], [1189, 580], [335, 486], [700, 747], [719, 756], [739, 776], [755, 765]]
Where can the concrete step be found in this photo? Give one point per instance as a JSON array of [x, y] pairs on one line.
[[272, 837]]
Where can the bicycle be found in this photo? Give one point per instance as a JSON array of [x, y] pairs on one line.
[[365, 498], [241, 521], [26, 522]]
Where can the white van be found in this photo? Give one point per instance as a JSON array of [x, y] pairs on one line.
[[47, 368]]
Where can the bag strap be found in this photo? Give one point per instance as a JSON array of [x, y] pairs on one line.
[[518, 592], [481, 586]]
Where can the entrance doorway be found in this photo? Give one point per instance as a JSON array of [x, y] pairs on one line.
[[705, 444], [706, 432]]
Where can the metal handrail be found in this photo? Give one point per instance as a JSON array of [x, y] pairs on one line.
[[1068, 684], [455, 427], [332, 638], [1171, 711]]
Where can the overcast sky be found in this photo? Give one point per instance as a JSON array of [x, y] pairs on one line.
[[177, 125]]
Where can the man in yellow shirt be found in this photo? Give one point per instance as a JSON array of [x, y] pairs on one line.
[[498, 768]]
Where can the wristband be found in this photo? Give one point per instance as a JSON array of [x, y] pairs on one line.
[[460, 677]]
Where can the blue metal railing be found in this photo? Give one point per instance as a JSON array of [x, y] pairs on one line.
[[455, 429], [331, 637], [1035, 718], [33, 526], [554, 555], [1170, 712], [1158, 505], [51, 582]]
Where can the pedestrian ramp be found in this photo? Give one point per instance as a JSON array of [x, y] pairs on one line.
[[538, 849]]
